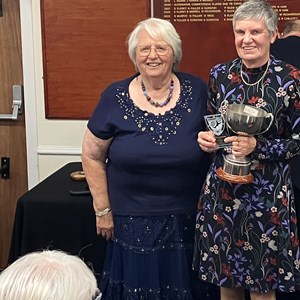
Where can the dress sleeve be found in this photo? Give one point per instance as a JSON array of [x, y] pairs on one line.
[[100, 122], [287, 144], [212, 94]]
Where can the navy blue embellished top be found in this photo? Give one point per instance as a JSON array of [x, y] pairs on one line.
[[155, 165]]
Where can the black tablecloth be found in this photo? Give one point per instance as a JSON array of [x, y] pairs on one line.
[[47, 216]]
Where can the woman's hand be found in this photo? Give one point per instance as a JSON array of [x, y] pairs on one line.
[[207, 141], [105, 226], [241, 145]]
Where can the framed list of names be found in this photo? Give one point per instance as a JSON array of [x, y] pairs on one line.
[[205, 27]]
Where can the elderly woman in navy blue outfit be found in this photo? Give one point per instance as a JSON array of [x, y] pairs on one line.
[[144, 169]]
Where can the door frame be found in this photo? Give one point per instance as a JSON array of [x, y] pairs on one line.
[[30, 107]]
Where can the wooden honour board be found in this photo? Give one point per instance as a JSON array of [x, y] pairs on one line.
[[205, 27], [84, 47]]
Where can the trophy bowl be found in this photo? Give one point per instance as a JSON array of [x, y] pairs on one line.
[[245, 120]]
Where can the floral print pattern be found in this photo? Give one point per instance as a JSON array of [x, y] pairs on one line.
[[246, 234]]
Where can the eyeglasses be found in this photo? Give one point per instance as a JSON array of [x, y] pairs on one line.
[[160, 50]]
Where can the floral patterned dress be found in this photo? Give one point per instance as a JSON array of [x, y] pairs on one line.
[[246, 234]]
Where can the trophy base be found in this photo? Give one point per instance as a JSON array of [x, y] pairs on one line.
[[239, 179]]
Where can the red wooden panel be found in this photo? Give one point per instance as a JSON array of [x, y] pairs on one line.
[[84, 50]]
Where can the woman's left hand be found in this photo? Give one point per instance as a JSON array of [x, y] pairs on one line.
[[241, 145]]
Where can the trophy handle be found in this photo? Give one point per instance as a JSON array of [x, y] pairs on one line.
[[268, 115]]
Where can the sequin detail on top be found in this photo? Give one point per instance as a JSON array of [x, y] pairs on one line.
[[159, 127]]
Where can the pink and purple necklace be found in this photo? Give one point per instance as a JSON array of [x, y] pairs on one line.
[[156, 103]]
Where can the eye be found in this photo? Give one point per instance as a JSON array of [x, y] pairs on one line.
[[239, 32], [144, 49], [160, 47]]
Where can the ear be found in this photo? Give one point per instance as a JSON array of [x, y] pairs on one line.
[[274, 36]]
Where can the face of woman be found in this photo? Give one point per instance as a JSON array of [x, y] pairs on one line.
[[252, 42], [154, 58]]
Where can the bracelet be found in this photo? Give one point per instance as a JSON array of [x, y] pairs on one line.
[[101, 213]]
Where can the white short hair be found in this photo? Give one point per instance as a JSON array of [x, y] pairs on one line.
[[51, 275], [156, 28]]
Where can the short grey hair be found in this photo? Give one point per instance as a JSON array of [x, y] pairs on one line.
[[290, 26], [157, 29], [257, 9], [51, 275]]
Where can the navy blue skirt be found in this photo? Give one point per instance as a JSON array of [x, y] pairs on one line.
[[151, 258]]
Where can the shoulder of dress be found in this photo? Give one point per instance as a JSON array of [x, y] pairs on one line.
[[190, 78], [282, 66], [118, 86], [225, 65]]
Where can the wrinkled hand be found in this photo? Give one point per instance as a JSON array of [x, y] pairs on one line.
[[105, 226], [207, 141], [241, 145]]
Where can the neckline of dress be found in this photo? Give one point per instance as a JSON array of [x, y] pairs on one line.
[[168, 112], [257, 69]]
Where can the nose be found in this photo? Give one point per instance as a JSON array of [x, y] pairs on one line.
[[248, 38], [153, 51]]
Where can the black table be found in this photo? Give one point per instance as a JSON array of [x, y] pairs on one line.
[[48, 217]]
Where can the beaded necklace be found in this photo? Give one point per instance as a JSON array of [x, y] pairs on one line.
[[156, 103]]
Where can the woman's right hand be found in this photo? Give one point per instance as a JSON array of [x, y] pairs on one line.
[[105, 226], [207, 141]]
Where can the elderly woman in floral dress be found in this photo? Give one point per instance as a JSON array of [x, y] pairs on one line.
[[246, 234]]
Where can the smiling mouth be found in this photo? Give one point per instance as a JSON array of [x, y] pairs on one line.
[[153, 64], [248, 48]]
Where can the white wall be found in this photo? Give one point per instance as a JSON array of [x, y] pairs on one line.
[[50, 143]]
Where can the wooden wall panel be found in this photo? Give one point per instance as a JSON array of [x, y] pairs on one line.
[[84, 50], [205, 27], [84, 43]]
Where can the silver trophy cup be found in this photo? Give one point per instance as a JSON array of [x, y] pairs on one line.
[[245, 120]]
